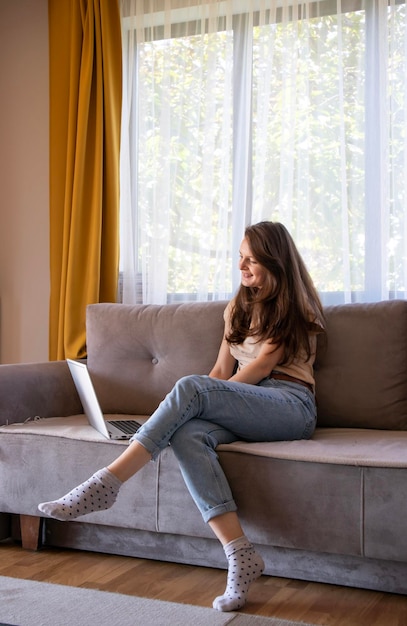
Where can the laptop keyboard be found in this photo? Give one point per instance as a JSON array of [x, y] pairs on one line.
[[126, 426]]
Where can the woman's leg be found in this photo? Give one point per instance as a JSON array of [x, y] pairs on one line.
[[194, 446], [271, 411], [226, 527], [130, 461], [245, 564], [231, 411], [254, 413], [100, 491]]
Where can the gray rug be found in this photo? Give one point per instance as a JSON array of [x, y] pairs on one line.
[[31, 603]]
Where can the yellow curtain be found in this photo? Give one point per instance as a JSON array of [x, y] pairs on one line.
[[85, 110]]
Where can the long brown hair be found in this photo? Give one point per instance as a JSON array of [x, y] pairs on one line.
[[287, 308]]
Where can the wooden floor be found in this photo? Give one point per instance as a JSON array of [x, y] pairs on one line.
[[288, 599]]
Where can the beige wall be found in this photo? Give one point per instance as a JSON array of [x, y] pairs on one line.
[[24, 178]]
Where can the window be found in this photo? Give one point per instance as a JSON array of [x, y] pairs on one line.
[[282, 111]]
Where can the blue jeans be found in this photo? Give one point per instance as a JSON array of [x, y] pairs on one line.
[[202, 412]]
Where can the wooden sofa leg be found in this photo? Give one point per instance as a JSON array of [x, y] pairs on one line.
[[31, 527]]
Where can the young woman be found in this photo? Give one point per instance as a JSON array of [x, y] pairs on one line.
[[261, 388]]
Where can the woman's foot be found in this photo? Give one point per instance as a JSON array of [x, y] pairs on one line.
[[245, 566], [98, 493]]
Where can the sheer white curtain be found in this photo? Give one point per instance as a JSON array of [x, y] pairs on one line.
[[238, 111]]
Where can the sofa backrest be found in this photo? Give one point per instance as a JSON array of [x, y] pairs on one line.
[[137, 353], [361, 372]]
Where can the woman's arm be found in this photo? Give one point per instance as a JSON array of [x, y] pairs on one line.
[[269, 356], [225, 363]]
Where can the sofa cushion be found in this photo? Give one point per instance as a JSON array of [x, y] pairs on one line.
[[358, 447], [361, 371], [137, 353]]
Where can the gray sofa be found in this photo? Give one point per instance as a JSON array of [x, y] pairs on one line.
[[332, 509]]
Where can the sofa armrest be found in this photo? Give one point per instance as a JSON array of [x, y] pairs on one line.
[[44, 389]]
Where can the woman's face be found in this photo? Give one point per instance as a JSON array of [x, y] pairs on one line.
[[252, 273]]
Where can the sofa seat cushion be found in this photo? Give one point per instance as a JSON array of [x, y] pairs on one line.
[[72, 427], [359, 447], [339, 446]]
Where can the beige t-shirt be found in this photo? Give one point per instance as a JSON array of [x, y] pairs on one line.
[[247, 351]]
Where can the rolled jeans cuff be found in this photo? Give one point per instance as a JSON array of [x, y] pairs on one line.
[[220, 509]]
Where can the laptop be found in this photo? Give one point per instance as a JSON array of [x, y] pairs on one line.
[[111, 429]]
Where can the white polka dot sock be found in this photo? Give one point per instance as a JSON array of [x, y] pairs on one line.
[[98, 493], [245, 566]]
